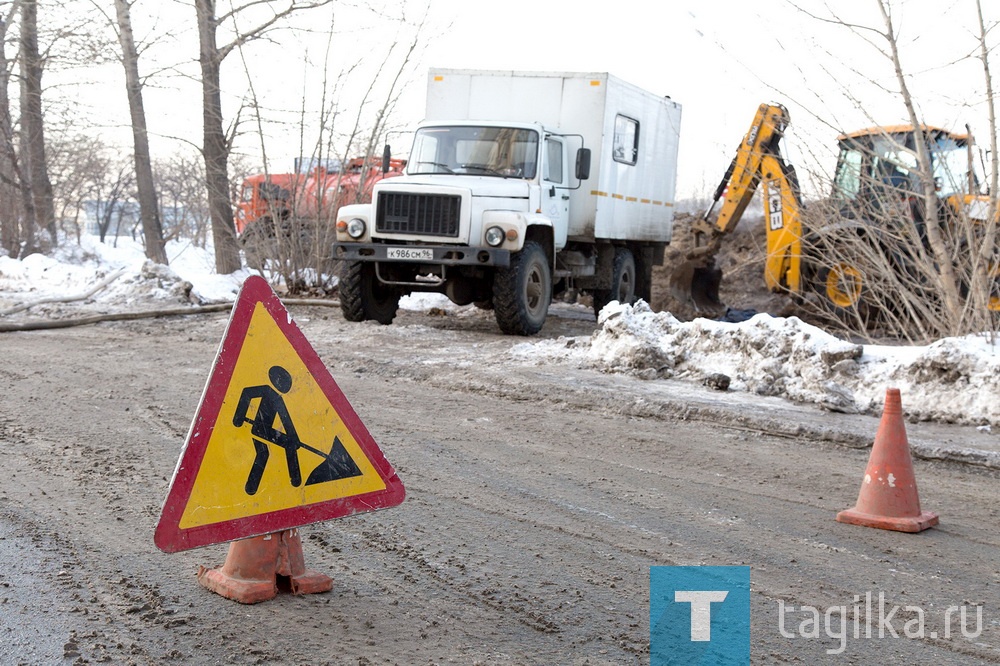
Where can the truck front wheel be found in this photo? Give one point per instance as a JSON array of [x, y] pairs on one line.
[[363, 297], [522, 291]]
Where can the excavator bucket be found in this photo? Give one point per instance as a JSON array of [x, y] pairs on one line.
[[693, 280], [697, 286], [705, 283]]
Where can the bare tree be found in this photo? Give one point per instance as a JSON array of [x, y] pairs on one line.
[[76, 163], [11, 212], [293, 234], [40, 210], [180, 180], [27, 197], [111, 194], [216, 142], [948, 279], [149, 210], [912, 252]]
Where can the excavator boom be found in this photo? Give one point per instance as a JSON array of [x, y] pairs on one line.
[[758, 159]]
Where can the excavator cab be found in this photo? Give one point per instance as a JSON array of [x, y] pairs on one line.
[[878, 175]]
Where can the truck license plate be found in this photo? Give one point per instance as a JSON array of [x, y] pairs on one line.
[[410, 254]]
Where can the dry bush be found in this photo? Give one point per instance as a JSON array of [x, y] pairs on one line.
[[874, 270]]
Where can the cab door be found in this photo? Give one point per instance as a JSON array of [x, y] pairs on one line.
[[555, 181]]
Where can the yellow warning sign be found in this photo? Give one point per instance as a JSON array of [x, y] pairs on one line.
[[290, 460], [275, 444]]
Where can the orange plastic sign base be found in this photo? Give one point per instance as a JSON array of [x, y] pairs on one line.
[[250, 574]]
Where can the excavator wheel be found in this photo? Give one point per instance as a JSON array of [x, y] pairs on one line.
[[843, 284], [842, 291]]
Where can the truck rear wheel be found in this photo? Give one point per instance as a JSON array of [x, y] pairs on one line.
[[623, 281], [363, 297], [522, 291]]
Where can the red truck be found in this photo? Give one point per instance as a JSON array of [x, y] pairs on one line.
[[295, 203]]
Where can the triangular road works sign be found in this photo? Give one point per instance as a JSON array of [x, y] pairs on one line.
[[274, 444]]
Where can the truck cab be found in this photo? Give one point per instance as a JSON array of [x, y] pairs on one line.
[[472, 195]]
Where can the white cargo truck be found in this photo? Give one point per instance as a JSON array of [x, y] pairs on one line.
[[519, 186]]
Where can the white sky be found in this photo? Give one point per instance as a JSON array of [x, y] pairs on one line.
[[718, 58], [722, 58]]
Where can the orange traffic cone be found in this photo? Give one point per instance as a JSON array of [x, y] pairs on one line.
[[888, 499], [253, 566]]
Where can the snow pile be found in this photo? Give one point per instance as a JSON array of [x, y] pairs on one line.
[[75, 269], [764, 355], [952, 380], [955, 380]]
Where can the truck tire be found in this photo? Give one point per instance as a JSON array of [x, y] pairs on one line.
[[623, 282], [363, 297], [644, 274], [522, 291]]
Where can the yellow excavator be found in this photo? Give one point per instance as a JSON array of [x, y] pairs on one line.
[[758, 161], [876, 167]]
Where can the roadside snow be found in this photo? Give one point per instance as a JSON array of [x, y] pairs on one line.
[[952, 380], [74, 269], [955, 380]]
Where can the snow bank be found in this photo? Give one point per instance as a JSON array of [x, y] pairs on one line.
[[953, 380], [74, 269]]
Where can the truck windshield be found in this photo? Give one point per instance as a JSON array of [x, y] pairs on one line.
[[506, 152]]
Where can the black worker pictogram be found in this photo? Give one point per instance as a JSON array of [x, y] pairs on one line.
[[272, 425]]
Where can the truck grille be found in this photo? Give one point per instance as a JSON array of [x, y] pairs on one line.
[[419, 214]]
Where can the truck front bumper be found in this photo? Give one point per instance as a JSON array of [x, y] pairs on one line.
[[441, 255]]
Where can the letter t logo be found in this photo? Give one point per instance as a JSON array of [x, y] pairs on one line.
[[701, 610]]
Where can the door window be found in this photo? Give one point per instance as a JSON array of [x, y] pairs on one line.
[[553, 160]]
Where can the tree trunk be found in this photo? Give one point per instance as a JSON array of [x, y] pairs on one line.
[[32, 125], [10, 212], [152, 229], [948, 279], [216, 147]]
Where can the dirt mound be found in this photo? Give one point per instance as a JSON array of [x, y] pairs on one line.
[[740, 256]]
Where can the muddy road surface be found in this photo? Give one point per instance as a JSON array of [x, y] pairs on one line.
[[538, 497]]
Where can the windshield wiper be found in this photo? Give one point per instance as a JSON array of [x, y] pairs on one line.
[[440, 165]]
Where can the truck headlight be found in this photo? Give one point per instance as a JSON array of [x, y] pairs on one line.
[[495, 236], [356, 228]]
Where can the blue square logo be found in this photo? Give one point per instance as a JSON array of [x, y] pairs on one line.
[[699, 615]]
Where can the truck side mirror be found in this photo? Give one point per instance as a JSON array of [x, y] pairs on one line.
[[386, 156], [583, 164]]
